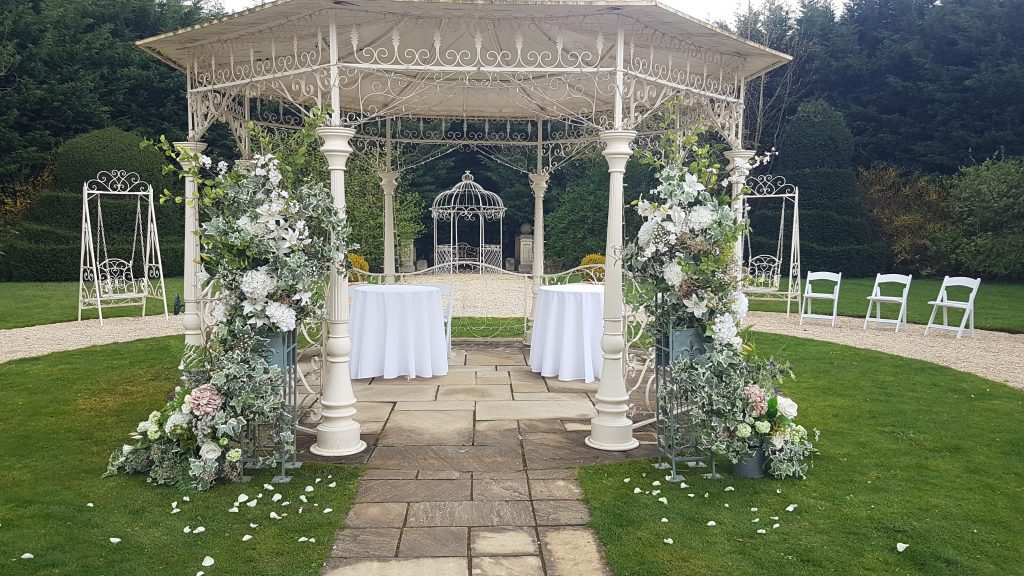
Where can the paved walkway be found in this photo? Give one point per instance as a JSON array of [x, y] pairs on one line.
[[473, 473]]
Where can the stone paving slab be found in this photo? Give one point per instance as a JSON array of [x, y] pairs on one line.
[[475, 358], [397, 567], [555, 489], [425, 514], [513, 410], [507, 566], [428, 428], [438, 541], [366, 543], [394, 392], [546, 450], [376, 515], [437, 405], [372, 411], [503, 541], [560, 512], [475, 393], [572, 552], [462, 458], [413, 490], [500, 489]]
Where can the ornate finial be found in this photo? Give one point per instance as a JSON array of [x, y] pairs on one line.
[[467, 177]]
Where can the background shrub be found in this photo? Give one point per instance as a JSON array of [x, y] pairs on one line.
[[82, 157]]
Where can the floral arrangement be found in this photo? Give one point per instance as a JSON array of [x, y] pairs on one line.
[[269, 242], [735, 409], [685, 247]]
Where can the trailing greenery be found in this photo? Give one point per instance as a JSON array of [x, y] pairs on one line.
[[915, 453], [56, 506]]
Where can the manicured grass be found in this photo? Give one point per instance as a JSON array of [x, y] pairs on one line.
[[35, 303], [910, 452], [996, 307], [63, 414]]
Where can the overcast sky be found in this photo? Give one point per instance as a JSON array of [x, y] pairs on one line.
[[710, 10]]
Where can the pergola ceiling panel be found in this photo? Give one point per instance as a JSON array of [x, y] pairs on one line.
[[518, 59]]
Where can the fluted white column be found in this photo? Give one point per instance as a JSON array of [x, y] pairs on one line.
[[338, 432], [539, 184], [739, 168], [388, 182], [611, 429], [190, 320]]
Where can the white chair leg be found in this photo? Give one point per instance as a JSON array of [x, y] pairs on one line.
[[803, 301], [931, 319], [972, 320], [868, 315], [835, 311]]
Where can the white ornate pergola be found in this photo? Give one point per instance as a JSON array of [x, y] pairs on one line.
[[467, 201], [529, 83]]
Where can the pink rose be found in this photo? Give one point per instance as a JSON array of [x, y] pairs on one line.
[[205, 400]]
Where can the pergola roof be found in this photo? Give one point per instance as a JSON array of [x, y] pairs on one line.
[[504, 59]]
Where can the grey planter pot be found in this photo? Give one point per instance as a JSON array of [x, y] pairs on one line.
[[680, 344], [754, 465]]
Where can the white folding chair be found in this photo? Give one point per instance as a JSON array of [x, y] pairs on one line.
[[810, 296], [944, 302], [447, 304], [877, 299]]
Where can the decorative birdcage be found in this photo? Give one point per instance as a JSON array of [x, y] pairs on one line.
[[467, 201]]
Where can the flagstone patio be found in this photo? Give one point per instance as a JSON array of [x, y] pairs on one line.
[[473, 473]]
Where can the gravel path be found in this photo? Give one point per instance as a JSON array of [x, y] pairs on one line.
[[993, 355], [40, 340]]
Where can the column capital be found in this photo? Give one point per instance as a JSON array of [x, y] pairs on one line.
[[617, 148], [739, 159], [192, 148], [336, 145], [539, 183], [389, 180]]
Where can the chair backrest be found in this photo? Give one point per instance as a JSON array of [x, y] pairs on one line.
[[901, 279], [447, 297], [825, 277], [959, 281]]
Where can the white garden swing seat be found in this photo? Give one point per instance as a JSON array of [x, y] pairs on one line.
[[944, 302], [876, 299]]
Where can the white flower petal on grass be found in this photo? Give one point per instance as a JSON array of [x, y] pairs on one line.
[[115, 540], [691, 495], [727, 505], [317, 481], [233, 509], [247, 537], [626, 480], [200, 573], [175, 511], [27, 556], [684, 485], [664, 520], [637, 490], [656, 483], [332, 485], [762, 531], [186, 498], [187, 529], [774, 526], [656, 492], [791, 507], [663, 500], [312, 540], [268, 487], [753, 509], [300, 509], [303, 539], [286, 503], [900, 546], [328, 510], [242, 498], [276, 498], [712, 523], [755, 520], [260, 495], [199, 530], [778, 490], [729, 489], [705, 494], [253, 525], [89, 505], [303, 498], [309, 488], [774, 517], [275, 516], [252, 503], [207, 562], [174, 504], [668, 541]]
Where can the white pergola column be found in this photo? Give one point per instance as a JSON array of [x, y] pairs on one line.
[[739, 168], [539, 184], [190, 320], [388, 182], [611, 429], [338, 433]]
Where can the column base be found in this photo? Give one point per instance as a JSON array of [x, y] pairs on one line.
[[338, 442], [611, 437]]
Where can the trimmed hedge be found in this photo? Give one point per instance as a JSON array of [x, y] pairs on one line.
[[24, 261], [82, 157]]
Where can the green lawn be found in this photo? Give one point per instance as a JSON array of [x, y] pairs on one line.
[[996, 307], [63, 414], [910, 452], [34, 303]]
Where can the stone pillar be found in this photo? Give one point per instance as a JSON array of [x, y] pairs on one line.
[[611, 429], [190, 320], [739, 168], [539, 184], [338, 433], [388, 182]]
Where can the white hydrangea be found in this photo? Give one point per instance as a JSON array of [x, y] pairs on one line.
[[700, 217], [740, 305], [673, 273], [219, 312], [176, 423], [256, 284], [281, 315], [724, 330]]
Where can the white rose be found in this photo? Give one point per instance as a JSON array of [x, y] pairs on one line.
[[787, 407], [210, 451], [127, 448]]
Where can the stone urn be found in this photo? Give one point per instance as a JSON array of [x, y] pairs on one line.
[[753, 465]]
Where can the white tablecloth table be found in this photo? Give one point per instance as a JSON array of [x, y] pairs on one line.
[[567, 327], [397, 331]]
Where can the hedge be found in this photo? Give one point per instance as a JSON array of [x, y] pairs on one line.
[[82, 157], [24, 261]]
